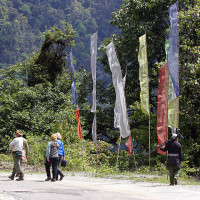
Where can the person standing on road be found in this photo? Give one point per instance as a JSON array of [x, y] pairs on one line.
[[61, 155], [174, 158], [52, 158], [17, 147]]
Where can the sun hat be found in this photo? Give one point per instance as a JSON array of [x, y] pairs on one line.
[[19, 132]]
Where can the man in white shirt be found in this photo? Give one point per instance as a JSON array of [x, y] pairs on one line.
[[17, 147]]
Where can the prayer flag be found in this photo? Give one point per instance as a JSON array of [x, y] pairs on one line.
[[78, 123], [116, 110], [73, 86], [71, 66], [121, 110], [93, 67], [162, 108], [173, 112], [129, 144], [172, 57], [143, 75]]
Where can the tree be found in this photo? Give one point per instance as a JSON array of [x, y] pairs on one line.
[[41, 104], [51, 61], [134, 18]]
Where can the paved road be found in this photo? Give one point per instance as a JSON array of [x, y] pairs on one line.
[[80, 187]]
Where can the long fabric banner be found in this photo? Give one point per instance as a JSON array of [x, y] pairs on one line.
[[162, 108], [173, 47], [78, 123], [73, 86], [93, 51], [120, 105], [143, 75], [74, 96], [93, 67], [173, 101], [173, 104]]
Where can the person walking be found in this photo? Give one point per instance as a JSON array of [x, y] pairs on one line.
[[17, 147], [174, 158], [25, 153], [52, 158], [61, 155]]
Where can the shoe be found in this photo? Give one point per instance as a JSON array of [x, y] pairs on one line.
[[61, 177], [11, 177], [175, 181], [48, 179], [21, 177], [53, 180]]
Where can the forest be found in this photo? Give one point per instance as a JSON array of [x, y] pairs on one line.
[[35, 80]]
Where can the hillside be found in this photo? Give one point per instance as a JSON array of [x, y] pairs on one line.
[[23, 22]]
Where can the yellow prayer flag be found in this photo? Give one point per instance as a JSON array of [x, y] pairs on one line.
[[143, 75], [173, 112]]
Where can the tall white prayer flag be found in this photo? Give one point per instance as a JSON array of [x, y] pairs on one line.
[[120, 105], [93, 67]]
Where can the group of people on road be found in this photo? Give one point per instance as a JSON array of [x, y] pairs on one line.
[[55, 153]]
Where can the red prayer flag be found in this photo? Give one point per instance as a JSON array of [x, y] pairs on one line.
[[78, 123], [162, 109], [129, 145]]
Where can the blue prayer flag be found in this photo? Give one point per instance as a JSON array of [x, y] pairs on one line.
[[172, 56]]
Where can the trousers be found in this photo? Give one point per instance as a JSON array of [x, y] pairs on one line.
[[54, 163]]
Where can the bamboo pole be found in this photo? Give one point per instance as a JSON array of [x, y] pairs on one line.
[[82, 153], [118, 151], [149, 145]]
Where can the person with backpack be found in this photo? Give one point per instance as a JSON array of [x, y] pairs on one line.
[[52, 158]]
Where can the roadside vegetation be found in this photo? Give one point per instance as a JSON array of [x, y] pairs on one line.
[[36, 97]]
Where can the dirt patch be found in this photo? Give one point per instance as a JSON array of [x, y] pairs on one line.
[[8, 166]]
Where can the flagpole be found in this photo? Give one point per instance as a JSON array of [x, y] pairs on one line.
[[149, 145], [96, 157], [118, 151], [82, 153], [134, 157]]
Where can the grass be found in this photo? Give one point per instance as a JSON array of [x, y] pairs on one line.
[[141, 175]]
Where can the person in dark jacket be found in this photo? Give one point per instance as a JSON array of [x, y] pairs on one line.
[[52, 158], [174, 158]]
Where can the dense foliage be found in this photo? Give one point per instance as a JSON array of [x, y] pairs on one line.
[[36, 94], [23, 23], [134, 18]]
